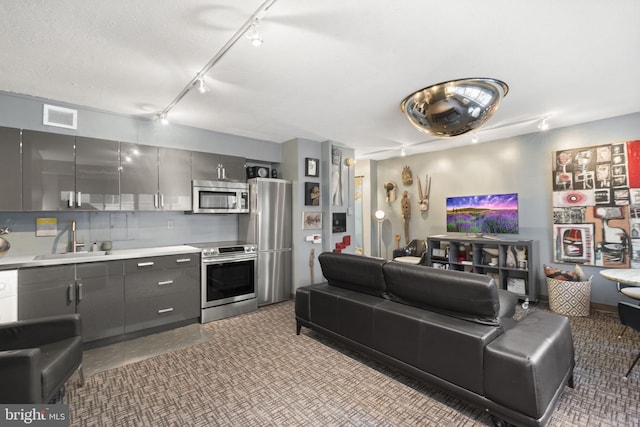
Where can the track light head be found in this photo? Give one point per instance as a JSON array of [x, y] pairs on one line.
[[253, 34], [544, 125], [162, 117], [201, 85]]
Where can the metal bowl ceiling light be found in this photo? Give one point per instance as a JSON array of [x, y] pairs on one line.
[[455, 107]]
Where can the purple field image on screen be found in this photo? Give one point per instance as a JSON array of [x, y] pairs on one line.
[[492, 213]]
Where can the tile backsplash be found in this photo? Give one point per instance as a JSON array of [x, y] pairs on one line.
[[127, 230]]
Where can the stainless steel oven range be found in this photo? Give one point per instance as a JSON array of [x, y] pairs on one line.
[[228, 280]]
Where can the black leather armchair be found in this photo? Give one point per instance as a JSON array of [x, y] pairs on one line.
[[38, 356]]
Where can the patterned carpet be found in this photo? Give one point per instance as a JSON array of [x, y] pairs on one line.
[[255, 371]]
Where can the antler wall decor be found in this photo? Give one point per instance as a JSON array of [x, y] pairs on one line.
[[423, 201]]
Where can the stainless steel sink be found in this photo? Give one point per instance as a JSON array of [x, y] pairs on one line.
[[68, 255]]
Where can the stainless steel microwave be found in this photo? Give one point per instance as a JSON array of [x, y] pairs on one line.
[[220, 197]]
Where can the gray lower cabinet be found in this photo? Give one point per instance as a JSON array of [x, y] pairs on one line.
[[161, 290], [100, 299], [114, 297], [46, 291]]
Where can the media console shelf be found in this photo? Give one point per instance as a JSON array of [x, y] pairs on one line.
[[512, 263]]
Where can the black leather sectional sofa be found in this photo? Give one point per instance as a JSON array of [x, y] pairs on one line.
[[446, 328]]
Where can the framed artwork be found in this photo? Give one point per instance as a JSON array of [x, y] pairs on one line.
[[573, 243], [311, 167], [311, 220], [312, 194], [594, 191]]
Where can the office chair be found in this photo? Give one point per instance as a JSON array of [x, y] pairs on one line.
[[38, 356], [415, 249], [630, 316], [630, 292]]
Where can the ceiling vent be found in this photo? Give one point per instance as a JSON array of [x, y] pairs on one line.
[[60, 117]]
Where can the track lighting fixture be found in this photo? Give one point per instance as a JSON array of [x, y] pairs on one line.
[[403, 151], [250, 28], [475, 138]]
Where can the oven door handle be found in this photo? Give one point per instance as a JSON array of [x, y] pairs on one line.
[[226, 260]]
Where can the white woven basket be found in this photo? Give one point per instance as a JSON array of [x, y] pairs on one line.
[[569, 298]]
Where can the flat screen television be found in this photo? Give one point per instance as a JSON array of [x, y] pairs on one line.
[[490, 214]]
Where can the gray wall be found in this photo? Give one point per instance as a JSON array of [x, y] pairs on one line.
[[294, 153], [18, 111], [516, 165]]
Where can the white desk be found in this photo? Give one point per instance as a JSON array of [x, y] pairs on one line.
[[625, 276]]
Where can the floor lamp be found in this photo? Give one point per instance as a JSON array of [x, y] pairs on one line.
[[379, 217]]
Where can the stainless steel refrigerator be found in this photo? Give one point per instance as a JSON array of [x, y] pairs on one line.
[[268, 225]]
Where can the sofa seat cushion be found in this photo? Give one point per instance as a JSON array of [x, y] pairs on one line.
[[468, 296], [359, 273], [59, 360]]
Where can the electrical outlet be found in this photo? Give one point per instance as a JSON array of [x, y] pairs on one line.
[[170, 224]]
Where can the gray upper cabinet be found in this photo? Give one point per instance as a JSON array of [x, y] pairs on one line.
[[138, 177], [154, 178], [63, 172], [48, 171], [97, 174], [215, 167], [11, 182], [174, 169]]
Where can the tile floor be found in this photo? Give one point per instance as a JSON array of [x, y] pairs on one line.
[[119, 354]]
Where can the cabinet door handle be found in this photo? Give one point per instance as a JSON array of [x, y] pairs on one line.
[[166, 282], [165, 310], [183, 260], [79, 197], [70, 199], [79, 292], [155, 200], [145, 264], [161, 200], [70, 292]]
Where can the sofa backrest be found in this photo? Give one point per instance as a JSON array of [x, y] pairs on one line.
[[467, 296], [359, 273]]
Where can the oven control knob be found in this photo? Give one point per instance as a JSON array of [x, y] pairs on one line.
[[252, 248], [207, 252]]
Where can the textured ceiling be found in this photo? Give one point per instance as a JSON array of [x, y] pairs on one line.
[[328, 70]]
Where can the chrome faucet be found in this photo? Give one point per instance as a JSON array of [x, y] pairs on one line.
[[74, 243]]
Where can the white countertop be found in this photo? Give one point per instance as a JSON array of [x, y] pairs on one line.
[[11, 262]]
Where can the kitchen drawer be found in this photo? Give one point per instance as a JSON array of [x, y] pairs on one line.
[[55, 273], [99, 269], [161, 262], [155, 283], [161, 310]]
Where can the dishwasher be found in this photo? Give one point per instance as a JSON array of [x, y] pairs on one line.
[[8, 296]]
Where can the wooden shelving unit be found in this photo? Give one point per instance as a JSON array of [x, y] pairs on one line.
[[512, 263]]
